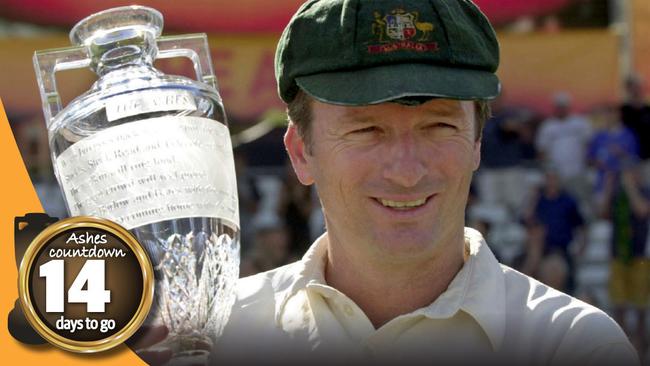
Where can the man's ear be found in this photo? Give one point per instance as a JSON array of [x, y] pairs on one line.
[[296, 148], [477, 154]]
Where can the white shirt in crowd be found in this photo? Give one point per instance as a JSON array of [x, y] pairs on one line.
[[564, 144]]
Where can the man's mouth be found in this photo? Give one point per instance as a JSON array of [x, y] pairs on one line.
[[402, 205]]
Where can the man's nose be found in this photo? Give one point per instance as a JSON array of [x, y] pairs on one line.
[[403, 163]]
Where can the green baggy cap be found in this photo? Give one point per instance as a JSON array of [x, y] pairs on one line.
[[359, 52]]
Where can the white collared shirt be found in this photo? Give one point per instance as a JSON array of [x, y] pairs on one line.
[[490, 313]]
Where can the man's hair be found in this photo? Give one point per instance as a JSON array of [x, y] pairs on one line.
[[300, 113]]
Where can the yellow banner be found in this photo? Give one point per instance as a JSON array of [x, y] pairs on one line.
[[640, 26], [533, 67], [243, 64], [582, 63]]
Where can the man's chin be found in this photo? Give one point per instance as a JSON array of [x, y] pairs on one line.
[[405, 244]]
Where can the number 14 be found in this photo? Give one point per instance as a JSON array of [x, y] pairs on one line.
[[92, 272]]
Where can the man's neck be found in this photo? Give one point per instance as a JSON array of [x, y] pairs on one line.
[[386, 290]]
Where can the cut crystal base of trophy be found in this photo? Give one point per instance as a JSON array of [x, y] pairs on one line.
[[195, 277]]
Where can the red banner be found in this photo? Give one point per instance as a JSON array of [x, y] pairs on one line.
[[226, 15]]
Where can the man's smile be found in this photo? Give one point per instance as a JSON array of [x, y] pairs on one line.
[[402, 204]]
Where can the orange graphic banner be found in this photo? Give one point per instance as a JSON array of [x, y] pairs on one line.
[[18, 198]]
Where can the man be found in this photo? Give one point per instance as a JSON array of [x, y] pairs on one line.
[[562, 142], [611, 148], [635, 113], [385, 120], [505, 157], [626, 203], [553, 221]]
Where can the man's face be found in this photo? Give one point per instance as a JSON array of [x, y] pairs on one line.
[[562, 110], [393, 179]]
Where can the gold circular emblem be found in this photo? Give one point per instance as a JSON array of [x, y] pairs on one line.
[[85, 284]]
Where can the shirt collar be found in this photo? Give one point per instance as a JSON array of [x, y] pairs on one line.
[[311, 268], [478, 288], [485, 296]]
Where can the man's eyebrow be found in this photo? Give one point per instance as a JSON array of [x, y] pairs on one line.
[[446, 110], [449, 109], [357, 118]]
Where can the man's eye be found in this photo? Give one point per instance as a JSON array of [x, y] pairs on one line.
[[441, 125], [368, 129]]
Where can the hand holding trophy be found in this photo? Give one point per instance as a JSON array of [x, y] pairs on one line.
[[151, 152]]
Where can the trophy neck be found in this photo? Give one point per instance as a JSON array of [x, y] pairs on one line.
[[119, 37], [133, 74], [131, 47]]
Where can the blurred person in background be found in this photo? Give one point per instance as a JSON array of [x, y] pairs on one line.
[[295, 208], [553, 221], [554, 271], [270, 248], [635, 113], [562, 143], [626, 203], [503, 154], [611, 147], [249, 198]]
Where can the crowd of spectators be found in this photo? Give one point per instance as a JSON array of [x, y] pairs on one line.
[[566, 187]]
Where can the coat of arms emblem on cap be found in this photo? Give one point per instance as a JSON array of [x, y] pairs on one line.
[[399, 30]]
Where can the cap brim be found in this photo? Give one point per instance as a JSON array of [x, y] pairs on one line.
[[385, 83]]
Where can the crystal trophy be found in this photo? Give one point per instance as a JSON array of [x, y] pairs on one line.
[[151, 152]]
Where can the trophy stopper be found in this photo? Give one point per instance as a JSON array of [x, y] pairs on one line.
[[119, 36]]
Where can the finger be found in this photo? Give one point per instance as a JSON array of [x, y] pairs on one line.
[[203, 345], [148, 336], [155, 357]]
